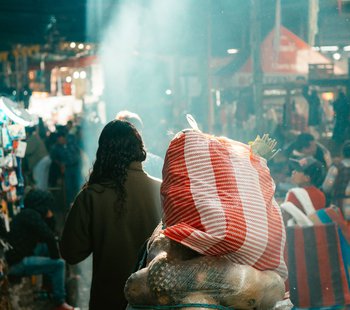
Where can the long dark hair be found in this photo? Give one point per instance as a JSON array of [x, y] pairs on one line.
[[119, 144]]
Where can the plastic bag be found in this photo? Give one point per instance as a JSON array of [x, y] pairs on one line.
[[176, 275]]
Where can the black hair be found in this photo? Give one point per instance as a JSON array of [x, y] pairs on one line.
[[316, 172], [303, 141], [119, 144], [39, 200], [30, 129], [130, 117]]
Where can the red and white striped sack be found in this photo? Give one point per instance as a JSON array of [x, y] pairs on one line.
[[218, 199]]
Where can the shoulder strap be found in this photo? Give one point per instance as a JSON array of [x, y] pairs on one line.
[[303, 196]]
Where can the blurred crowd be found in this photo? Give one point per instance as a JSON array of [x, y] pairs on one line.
[[311, 172]]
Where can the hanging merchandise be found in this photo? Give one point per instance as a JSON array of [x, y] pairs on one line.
[[6, 140], [15, 113], [13, 120]]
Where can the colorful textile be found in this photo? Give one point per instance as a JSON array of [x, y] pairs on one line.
[[317, 276], [312, 193], [218, 199], [334, 215]]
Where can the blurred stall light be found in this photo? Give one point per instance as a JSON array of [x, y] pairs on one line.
[[82, 75], [232, 51], [218, 98], [76, 75], [346, 48], [40, 94], [275, 92], [55, 109], [80, 46], [64, 69], [336, 56], [68, 79], [329, 48], [329, 96], [87, 46], [316, 48], [72, 44], [168, 92]]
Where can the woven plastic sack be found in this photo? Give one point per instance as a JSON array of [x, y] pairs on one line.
[[218, 199]]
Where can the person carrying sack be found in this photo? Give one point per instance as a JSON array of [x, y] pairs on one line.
[[222, 239]]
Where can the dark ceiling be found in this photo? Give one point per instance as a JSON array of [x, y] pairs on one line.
[[27, 21], [31, 21]]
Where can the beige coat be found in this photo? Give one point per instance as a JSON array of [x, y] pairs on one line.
[[93, 227]]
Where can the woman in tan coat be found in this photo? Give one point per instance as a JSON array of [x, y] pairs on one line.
[[113, 215]]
